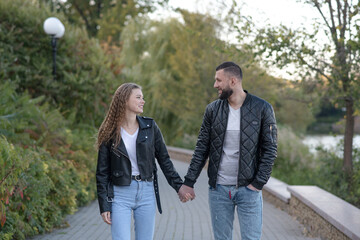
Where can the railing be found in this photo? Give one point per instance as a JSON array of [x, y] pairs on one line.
[[322, 213]]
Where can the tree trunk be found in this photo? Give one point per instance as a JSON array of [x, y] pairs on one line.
[[349, 134]]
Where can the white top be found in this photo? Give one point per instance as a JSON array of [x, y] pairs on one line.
[[233, 120], [229, 164], [130, 145]]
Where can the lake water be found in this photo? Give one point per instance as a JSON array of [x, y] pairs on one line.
[[327, 141]]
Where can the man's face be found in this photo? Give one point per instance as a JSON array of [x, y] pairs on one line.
[[222, 84]]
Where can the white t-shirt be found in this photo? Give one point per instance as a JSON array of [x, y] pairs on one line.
[[130, 144], [229, 164]]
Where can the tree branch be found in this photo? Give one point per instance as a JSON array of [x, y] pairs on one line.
[[339, 8], [7, 175], [322, 14], [99, 3], [82, 15], [344, 17], [318, 70], [333, 28]]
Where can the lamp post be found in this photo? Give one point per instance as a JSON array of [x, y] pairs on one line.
[[55, 29]]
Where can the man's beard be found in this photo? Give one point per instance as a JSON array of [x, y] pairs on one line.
[[226, 93]]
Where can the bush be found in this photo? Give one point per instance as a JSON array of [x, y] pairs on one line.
[[294, 164], [331, 177], [47, 170]]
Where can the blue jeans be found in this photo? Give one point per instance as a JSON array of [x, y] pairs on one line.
[[222, 208], [139, 199]]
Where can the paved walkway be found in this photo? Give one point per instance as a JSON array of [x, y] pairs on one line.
[[179, 221]]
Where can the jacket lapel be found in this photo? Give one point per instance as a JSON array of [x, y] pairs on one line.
[[143, 125], [122, 149]]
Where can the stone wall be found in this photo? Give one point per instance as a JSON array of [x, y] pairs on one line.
[[316, 226], [269, 197]]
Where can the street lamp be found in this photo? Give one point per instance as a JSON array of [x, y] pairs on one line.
[[55, 29]]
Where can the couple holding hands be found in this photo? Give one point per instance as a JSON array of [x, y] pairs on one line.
[[238, 135]]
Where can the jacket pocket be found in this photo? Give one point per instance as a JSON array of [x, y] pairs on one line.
[[117, 173]]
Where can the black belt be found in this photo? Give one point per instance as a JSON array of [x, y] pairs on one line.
[[139, 178]]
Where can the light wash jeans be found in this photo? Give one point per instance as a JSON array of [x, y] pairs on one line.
[[222, 207], [139, 199]]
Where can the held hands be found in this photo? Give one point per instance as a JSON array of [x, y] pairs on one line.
[[186, 193], [106, 217]]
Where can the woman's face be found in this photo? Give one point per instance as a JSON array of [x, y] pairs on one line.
[[136, 101]]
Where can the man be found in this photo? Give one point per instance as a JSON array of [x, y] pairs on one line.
[[239, 136]]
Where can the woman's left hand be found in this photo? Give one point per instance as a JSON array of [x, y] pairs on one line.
[[106, 217]]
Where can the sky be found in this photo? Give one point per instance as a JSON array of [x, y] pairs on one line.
[[275, 12], [288, 12]]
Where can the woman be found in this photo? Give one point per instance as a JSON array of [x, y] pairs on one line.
[[126, 171]]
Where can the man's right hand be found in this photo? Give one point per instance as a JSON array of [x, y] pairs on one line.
[[186, 193]]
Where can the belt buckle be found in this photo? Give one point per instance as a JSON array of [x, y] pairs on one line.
[[137, 178]]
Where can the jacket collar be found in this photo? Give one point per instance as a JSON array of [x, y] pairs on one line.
[[247, 98], [143, 122], [246, 101]]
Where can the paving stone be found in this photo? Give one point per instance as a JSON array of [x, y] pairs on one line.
[[179, 221]]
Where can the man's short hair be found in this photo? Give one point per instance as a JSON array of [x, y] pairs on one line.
[[231, 68]]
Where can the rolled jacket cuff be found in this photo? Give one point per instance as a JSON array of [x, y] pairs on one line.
[[104, 206], [257, 185], [189, 182]]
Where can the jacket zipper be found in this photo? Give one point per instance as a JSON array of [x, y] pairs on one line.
[[115, 151], [271, 136], [121, 153], [237, 179]]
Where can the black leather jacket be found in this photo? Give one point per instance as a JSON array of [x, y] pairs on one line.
[[258, 142], [114, 166]]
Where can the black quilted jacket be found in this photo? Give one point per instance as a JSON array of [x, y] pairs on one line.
[[258, 142]]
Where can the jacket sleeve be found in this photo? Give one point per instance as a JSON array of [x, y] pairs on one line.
[[201, 152], [103, 173], [268, 147], [163, 158]]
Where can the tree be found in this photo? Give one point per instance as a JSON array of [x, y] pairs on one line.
[[86, 76], [104, 18], [333, 61], [175, 63]]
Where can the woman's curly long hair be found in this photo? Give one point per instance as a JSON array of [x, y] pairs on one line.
[[110, 127]]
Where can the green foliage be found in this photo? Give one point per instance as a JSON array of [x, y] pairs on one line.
[[86, 76], [332, 61], [294, 164], [178, 78], [106, 18], [175, 77], [332, 179], [295, 106], [47, 171], [11, 169]]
